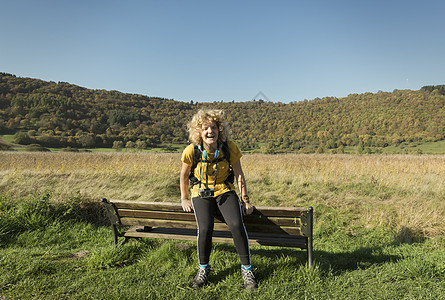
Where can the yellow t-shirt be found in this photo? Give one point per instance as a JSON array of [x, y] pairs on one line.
[[221, 173]]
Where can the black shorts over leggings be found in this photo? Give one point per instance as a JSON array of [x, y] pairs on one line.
[[229, 206]]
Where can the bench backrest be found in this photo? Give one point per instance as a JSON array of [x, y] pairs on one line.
[[280, 221]]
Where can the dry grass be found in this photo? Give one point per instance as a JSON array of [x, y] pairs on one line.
[[94, 175], [403, 192], [399, 191]]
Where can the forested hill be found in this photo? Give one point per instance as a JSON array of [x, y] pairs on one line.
[[65, 115]]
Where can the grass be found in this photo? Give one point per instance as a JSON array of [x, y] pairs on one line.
[[7, 137], [60, 257], [379, 229], [433, 147]]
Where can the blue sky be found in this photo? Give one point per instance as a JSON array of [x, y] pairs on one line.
[[227, 50]]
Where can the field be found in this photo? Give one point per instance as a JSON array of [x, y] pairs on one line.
[[379, 228]]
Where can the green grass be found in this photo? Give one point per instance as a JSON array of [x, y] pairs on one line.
[[406, 148], [433, 147], [7, 137], [63, 250]]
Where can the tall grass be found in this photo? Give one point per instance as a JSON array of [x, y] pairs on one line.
[[405, 193], [379, 229]]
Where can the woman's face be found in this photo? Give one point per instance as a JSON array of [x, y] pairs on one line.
[[209, 133]]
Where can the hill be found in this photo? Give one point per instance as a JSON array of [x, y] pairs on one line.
[[65, 115]]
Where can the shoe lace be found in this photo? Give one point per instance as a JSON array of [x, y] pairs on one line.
[[248, 276], [202, 274]]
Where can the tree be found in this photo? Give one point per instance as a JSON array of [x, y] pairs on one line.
[[22, 138], [360, 148], [130, 145], [341, 149], [140, 145], [118, 145]]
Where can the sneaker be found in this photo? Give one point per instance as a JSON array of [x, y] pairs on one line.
[[249, 279], [201, 277]]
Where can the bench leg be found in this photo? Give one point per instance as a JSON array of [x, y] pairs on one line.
[[310, 235], [115, 234], [124, 241], [309, 255]]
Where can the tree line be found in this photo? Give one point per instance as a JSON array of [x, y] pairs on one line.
[[65, 115]]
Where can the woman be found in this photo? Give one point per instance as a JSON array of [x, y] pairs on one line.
[[209, 133]]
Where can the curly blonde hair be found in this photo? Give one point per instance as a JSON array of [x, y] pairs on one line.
[[204, 116]]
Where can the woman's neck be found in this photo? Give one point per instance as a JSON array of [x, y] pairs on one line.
[[210, 147]]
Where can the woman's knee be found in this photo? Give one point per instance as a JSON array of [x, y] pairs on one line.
[[205, 232], [235, 224]]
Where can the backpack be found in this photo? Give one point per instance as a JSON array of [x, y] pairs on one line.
[[197, 157]]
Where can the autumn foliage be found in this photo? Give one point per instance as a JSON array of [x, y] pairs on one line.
[[65, 115]]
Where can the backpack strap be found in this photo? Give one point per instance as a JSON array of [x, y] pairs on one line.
[[197, 155], [196, 158], [226, 152], [231, 177]]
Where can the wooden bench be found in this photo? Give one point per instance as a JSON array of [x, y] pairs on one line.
[[270, 226]]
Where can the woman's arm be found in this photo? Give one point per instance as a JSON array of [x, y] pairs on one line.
[[184, 185], [239, 175]]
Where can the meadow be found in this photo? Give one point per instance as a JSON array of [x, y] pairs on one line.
[[379, 228]]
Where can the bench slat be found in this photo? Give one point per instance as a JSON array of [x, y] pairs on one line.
[[218, 226], [219, 237], [278, 211], [159, 223], [161, 206], [279, 221], [272, 229], [251, 219], [176, 207], [156, 214]]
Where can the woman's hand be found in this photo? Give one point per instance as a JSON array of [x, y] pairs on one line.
[[187, 205], [247, 208], [184, 186]]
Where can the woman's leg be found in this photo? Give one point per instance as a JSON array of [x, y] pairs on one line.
[[204, 213], [229, 206]]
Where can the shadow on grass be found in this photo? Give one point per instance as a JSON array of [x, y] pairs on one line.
[[335, 262], [361, 258]]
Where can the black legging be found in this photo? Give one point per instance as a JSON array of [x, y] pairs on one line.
[[230, 208]]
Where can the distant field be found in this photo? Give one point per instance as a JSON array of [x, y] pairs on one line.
[[433, 147], [7, 137]]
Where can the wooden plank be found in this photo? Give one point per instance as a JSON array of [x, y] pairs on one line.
[[219, 237], [159, 223], [162, 206], [166, 236], [164, 233], [250, 219], [279, 221], [176, 207], [147, 214], [170, 223], [251, 228], [281, 243], [266, 239], [262, 229], [273, 229], [278, 211]]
